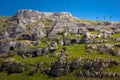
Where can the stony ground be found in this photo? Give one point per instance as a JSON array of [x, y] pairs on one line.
[[37, 47]]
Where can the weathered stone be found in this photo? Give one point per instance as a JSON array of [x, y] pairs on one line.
[[66, 41], [13, 67], [35, 43], [59, 69], [117, 30], [73, 41], [33, 52], [93, 47], [117, 39], [102, 50], [114, 52], [107, 23], [89, 51], [108, 46], [53, 44]]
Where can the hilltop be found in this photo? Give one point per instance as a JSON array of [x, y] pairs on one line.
[[56, 45]]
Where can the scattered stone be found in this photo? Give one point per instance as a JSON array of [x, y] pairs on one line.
[[114, 52], [13, 67], [33, 52], [66, 41]]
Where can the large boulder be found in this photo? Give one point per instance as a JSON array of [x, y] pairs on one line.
[[114, 52], [33, 52], [67, 41], [73, 41], [13, 67], [60, 67], [117, 39]]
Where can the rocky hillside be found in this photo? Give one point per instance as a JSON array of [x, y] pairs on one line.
[[58, 46], [34, 25]]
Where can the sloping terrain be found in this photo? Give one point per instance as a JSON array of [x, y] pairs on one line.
[[58, 46]]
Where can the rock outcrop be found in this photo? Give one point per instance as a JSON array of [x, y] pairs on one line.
[[33, 25]]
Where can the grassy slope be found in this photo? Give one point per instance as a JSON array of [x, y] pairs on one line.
[[2, 21], [74, 51], [42, 76]]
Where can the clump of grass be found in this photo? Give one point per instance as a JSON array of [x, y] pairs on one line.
[[115, 35], [113, 69], [44, 58], [46, 22], [93, 22], [76, 20], [2, 21]]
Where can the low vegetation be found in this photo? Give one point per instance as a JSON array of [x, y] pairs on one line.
[[73, 51]]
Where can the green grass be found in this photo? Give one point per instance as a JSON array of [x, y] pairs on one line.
[[88, 21], [45, 58], [94, 32], [78, 50], [76, 20], [42, 43], [43, 76], [2, 21], [1, 61], [113, 69], [70, 35], [46, 22], [74, 51], [24, 76], [115, 35], [1, 24]]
